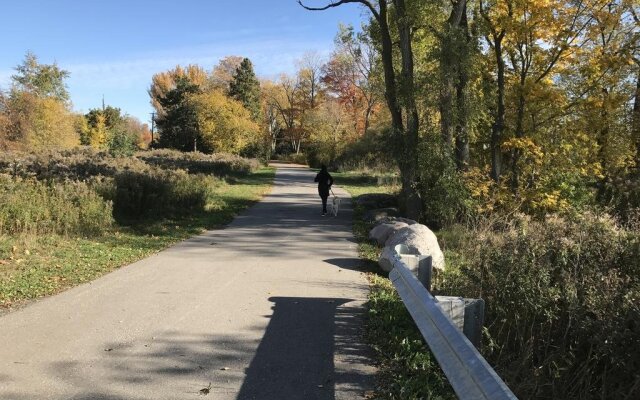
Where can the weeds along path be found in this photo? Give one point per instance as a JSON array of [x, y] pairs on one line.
[[268, 308]]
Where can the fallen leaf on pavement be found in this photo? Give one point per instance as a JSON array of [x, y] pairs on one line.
[[205, 391]]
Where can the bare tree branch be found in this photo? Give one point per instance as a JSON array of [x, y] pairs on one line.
[[365, 3]]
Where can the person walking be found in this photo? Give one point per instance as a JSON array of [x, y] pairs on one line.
[[325, 180]]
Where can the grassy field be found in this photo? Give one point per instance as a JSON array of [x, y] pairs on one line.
[[407, 369], [33, 266]]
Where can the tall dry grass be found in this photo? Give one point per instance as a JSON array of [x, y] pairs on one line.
[[28, 206], [80, 191], [563, 303]]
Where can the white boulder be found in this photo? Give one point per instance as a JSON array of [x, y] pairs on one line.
[[418, 239], [380, 233], [390, 220]]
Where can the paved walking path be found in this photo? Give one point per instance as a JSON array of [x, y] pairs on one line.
[[268, 308]]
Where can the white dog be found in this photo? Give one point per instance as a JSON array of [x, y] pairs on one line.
[[335, 204]]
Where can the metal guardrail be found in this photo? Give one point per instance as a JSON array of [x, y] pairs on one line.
[[468, 372]]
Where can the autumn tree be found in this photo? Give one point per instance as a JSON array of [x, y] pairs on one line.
[[139, 132], [223, 72], [223, 124], [97, 134], [309, 74], [36, 111], [164, 82], [351, 76], [42, 80], [109, 129], [195, 115], [400, 93], [272, 126], [284, 99], [40, 123], [331, 128]]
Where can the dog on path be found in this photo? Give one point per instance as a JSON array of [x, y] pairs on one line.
[[335, 204]]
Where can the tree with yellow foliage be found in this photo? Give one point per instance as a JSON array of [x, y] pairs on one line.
[[223, 124], [36, 113]]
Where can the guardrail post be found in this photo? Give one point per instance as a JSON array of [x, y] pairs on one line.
[[425, 270], [473, 320], [467, 314], [468, 372], [453, 307]]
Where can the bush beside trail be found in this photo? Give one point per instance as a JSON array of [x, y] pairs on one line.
[[219, 164], [562, 296], [562, 302], [32, 207], [160, 193], [64, 187], [84, 163]]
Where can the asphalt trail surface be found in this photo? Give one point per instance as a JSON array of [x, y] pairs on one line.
[[268, 308]]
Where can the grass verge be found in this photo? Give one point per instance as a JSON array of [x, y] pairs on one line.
[[33, 266], [406, 367]]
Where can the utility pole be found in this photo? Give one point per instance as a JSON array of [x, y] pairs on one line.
[[153, 121]]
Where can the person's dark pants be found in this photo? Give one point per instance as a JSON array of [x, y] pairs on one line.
[[324, 195], [324, 203]]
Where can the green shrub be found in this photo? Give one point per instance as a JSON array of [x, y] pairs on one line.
[[84, 163], [563, 304], [446, 198], [299, 158], [160, 193], [220, 164], [28, 206], [122, 144], [79, 164], [372, 151]]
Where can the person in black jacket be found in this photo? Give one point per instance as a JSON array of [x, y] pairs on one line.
[[325, 181]]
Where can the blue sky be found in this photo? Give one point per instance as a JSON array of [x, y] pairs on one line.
[[113, 47]]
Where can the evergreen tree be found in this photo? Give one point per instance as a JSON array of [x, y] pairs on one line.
[[245, 88], [179, 126]]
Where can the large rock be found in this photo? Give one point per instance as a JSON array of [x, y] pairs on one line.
[[390, 220], [418, 239], [380, 213], [382, 232]]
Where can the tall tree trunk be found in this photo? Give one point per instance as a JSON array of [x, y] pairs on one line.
[[408, 161], [462, 134], [390, 92], [635, 126], [497, 130], [450, 67], [367, 116], [603, 134], [516, 154], [446, 103]]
